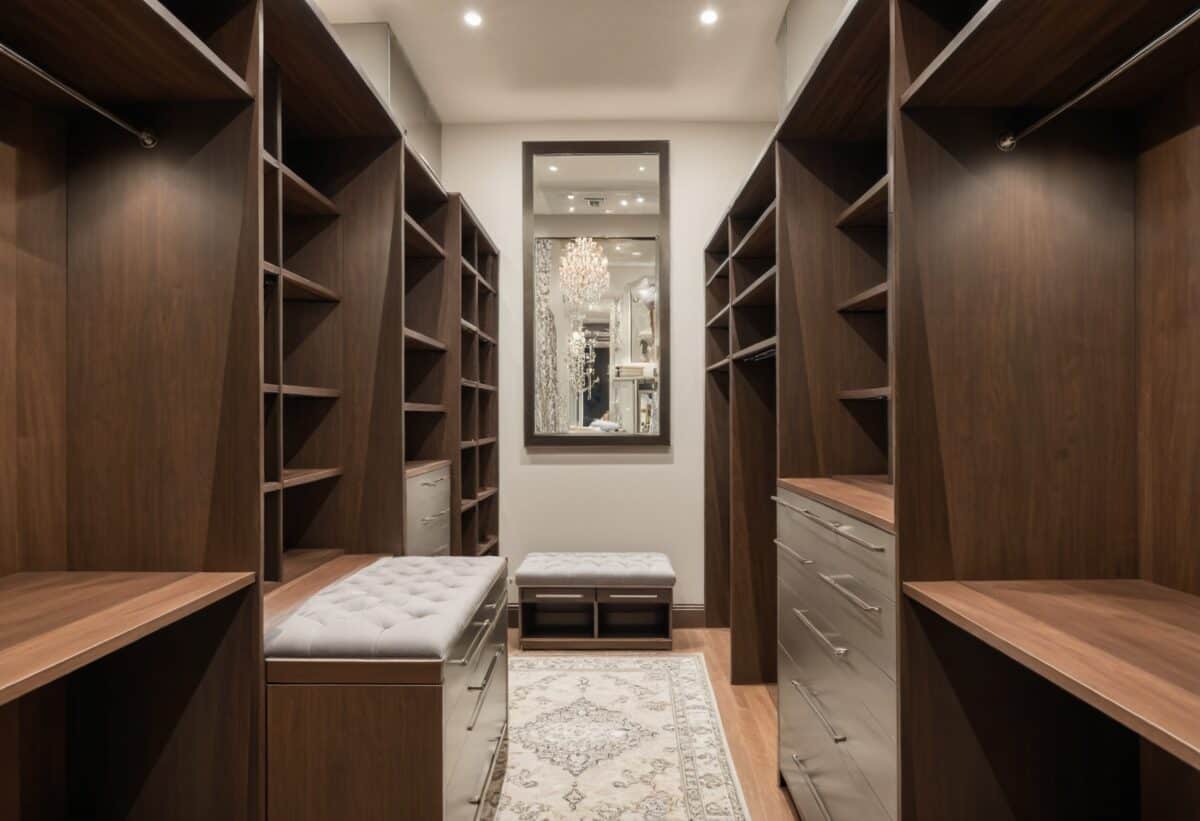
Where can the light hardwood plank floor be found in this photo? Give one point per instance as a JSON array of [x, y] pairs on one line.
[[749, 717]]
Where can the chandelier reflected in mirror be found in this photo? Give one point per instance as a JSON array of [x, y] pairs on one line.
[[583, 277]]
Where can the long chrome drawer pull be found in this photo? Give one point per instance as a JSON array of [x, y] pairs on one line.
[[833, 648], [558, 595], [792, 550], [837, 737], [483, 691], [633, 596], [812, 788], [835, 527], [476, 642], [487, 771], [849, 595], [844, 530], [427, 519]]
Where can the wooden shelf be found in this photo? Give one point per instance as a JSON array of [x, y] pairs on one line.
[[327, 95], [723, 365], [297, 288], [424, 407], [872, 300], [487, 544], [487, 285], [467, 504], [721, 320], [1029, 54], [868, 498], [418, 244], [760, 239], [483, 386], [303, 391], [272, 487], [765, 345], [722, 272], [301, 199], [759, 292], [485, 492], [269, 159], [148, 56], [487, 440], [52, 624], [299, 561], [469, 383], [844, 95], [471, 270], [1128, 648], [467, 444], [469, 326], [295, 477], [865, 394], [415, 340], [870, 210], [485, 336], [417, 467]]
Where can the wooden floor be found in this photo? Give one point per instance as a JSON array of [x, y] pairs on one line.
[[748, 714]]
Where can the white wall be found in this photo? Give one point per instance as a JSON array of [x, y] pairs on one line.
[[637, 499], [807, 26]]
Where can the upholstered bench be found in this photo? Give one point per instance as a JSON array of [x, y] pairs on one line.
[[580, 601], [387, 688]]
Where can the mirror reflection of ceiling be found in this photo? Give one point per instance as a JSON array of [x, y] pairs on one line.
[[604, 185], [629, 261]]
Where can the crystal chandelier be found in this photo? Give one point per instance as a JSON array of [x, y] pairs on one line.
[[583, 275]]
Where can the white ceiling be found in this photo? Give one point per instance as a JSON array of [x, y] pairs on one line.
[[549, 60]]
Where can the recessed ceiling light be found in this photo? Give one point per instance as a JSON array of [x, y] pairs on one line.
[[554, 169], [608, 210], [571, 209], [619, 247], [570, 196], [642, 169], [709, 17], [624, 203], [641, 200], [637, 253], [473, 19]]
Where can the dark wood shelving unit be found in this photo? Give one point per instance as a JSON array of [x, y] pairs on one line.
[[865, 394], [868, 211], [760, 292], [872, 300], [301, 199], [130, 603], [419, 341]]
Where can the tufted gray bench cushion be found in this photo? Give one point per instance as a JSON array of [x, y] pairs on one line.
[[596, 570], [400, 607]]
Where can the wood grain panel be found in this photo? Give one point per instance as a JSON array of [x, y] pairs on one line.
[[752, 590], [318, 772], [33, 339], [165, 400], [33, 756], [372, 369], [1014, 362], [716, 499], [1168, 293]]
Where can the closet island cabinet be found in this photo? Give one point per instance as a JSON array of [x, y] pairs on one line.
[[949, 328], [231, 326]]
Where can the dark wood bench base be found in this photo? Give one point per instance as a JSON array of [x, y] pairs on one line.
[[596, 618]]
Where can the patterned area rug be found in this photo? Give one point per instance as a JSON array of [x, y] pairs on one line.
[[613, 737]]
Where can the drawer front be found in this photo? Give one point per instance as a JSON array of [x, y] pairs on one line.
[[473, 686], [829, 661], [860, 614], [837, 541], [633, 595], [823, 779], [468, 782], [427, 513], [558, 595]]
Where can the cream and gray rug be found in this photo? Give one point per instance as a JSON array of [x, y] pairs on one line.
[[613, 738]]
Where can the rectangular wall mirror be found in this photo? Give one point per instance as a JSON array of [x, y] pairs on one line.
[[597, 318]]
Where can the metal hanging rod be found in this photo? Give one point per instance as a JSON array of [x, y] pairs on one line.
[[1008, 141], [145, 138]]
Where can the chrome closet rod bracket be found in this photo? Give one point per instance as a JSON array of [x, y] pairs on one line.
[[1008, 142], [145, 138]]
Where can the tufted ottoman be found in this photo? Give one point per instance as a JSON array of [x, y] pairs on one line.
[[591, 601]]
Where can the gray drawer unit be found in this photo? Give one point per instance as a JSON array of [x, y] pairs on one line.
[[860, 614], [427, 511], [838, 542], [823, 651], [825, 782]]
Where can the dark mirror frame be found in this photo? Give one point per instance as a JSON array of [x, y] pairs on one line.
[[661, 148]]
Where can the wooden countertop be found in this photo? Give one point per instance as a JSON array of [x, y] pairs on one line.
[[52, 624], [867, 498], [1129, 648]]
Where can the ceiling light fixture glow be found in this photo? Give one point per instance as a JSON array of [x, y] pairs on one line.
[[709, 17], [570, 196], [641, 200], [624, 203], [571, 209], [473, 19], [554, 169], [642, 169]]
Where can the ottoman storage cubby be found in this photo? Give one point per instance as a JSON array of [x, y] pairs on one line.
[[580, 601]]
